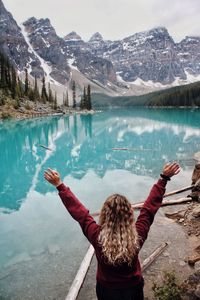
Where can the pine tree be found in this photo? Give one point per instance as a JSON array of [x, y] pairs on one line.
[[8, 74], [67, 99], [44, 96], [36, 90], [55, 102], [19, 91], [50, 93], [26, 88], [13, 83], [74, 94], [89, 103], [83, 104], [2, 78], [20, 87]]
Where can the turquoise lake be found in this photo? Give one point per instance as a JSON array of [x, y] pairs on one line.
[[41, 247]]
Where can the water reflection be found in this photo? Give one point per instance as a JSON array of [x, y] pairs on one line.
[[83, 142], [36, 233]]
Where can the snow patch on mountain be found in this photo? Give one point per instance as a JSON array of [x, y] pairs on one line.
[[46, 68], [71, 62]]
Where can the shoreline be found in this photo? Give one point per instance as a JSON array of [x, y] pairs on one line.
[[14, 114]]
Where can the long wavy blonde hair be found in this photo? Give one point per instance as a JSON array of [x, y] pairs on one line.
[[118, 236]]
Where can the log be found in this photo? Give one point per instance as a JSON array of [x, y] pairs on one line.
[[133, 149], [45, 147], [80, 276], [187, 188], [148, 261], [164, 203]]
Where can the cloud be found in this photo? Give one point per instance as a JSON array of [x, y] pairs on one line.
[[114, 19]]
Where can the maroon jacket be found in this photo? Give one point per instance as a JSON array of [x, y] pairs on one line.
[[121, 276]]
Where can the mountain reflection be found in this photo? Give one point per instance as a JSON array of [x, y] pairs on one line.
[[85, 142]]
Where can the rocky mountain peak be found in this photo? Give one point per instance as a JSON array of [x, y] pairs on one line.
[[72, 36], [96, 37], [39, 26], [1, 5], [154, 34]]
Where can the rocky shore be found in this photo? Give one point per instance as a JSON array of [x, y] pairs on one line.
[[189, 219], [30, 109]]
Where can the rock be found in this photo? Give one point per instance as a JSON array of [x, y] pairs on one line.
[[197, 291], [194, 257], [190, 286], [19, 258], [182, 263], [196, 172], [197, 156], [53, 249], [196, 212], [197, 266], [181, 220]]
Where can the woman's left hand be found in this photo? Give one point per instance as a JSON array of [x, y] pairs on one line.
[[171, 169]]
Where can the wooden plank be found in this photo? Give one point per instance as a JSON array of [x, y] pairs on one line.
[[164, 203], [80, 276], [148, 261]]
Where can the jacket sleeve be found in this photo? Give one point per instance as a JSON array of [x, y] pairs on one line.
[[149, 209], [78, 211]]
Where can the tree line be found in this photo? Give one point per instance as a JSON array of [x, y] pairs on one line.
[[12, 86], [85, 102], [188, 95]]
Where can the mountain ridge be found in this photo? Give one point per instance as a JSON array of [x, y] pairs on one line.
[[140, 63]]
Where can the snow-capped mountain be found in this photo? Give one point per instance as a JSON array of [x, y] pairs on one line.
[[12, 42], [140, 63]]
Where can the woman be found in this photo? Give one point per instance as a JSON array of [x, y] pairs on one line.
[[117, 239]]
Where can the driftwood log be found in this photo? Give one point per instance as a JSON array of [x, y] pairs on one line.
[[45, 147], [133, 149], [148, 261], [80, 276], [164, 203], [82, 271]]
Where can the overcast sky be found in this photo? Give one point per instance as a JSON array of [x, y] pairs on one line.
[[114, 19]]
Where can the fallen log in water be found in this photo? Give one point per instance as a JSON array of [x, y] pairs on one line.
[[153, 256], [80, 276], [133, 149], [45, 147], [164, 203]]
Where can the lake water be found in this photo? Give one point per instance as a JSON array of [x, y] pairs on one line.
[[41, 247]]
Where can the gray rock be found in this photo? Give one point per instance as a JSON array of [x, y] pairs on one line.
[[197, 291], [182, 263], [197, 266], [196, 212]]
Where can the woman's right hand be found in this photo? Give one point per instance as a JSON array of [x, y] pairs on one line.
[[52, 177], [171, 169]]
